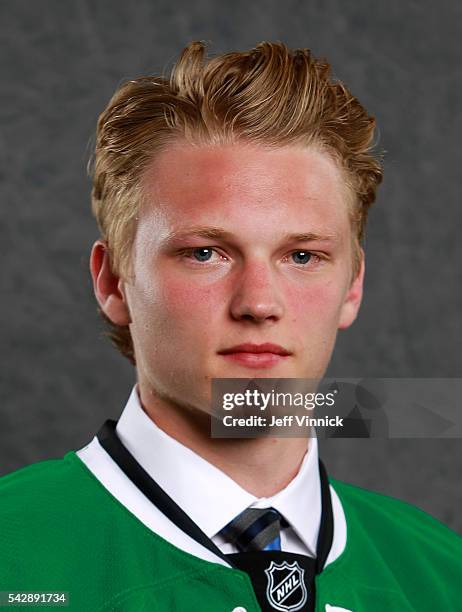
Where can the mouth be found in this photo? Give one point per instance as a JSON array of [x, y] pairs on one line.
[[256, 355]]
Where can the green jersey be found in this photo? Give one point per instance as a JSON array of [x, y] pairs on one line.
[[62, 531]]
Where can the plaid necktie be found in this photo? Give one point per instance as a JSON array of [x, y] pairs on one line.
[[255, 529]]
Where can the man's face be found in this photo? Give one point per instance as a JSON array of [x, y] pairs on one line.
[[239, 246]]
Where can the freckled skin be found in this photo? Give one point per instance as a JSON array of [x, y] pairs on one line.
[[184, 311]]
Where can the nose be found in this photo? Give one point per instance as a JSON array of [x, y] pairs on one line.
[[256, 296]]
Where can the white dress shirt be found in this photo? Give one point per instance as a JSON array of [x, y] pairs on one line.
[[207, 495]]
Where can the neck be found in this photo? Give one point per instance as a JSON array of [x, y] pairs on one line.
[[261, 466]]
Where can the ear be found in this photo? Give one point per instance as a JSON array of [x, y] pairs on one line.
[[108, 287], [353, 298]]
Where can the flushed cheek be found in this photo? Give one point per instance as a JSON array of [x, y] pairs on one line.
[[316, 306], [181, 294], [313, 327], [191, 309]]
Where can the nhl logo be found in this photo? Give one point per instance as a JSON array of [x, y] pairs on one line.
[[286, 590]]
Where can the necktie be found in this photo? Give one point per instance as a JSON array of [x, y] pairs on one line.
[[255, 529]]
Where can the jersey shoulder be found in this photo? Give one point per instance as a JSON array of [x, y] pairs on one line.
[[40, 497], [391, 519], [35, 481], [397, 545]]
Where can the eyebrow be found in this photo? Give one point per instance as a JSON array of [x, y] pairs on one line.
[[311, 237], [202, 231], [217, 232]]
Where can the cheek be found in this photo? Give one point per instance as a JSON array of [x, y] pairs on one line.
[[315, 306], [182, 304]]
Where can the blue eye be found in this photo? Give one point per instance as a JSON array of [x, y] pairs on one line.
[[202, 254], [301, 257]]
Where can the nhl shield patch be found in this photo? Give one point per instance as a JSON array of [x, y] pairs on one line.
[[286, 589]]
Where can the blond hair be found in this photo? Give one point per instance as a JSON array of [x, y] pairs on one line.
[[270, 95]]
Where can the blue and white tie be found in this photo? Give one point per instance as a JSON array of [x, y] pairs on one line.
[[255, 529]]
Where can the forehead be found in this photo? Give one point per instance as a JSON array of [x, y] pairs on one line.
[[242, 185]]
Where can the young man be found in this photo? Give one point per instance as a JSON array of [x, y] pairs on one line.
[[231, 200]]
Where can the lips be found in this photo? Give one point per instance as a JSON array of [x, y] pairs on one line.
[[275, 349], [256, 355]]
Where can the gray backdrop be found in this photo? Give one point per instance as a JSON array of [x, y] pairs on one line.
[[61, 61]]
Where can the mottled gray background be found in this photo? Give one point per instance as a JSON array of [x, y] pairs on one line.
[[61, 61]]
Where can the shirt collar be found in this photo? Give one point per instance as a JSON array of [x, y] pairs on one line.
[[210, 497]]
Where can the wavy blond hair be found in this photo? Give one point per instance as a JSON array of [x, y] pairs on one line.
[[270, 94]]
